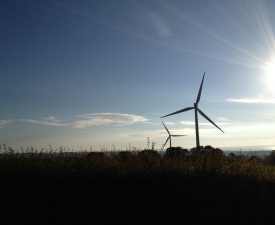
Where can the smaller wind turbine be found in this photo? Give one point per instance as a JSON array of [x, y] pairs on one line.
[[169, 137]]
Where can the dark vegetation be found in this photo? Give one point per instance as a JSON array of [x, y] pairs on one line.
[[180, 187]]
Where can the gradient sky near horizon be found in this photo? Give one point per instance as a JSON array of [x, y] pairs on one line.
[[80, 73]]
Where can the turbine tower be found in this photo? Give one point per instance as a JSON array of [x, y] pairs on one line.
[[169, 137], [195, 107]]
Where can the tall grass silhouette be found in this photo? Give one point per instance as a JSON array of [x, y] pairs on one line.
[[201, 185]]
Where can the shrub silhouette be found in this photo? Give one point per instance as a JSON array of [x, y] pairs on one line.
[[125, 155], [95, 155], [176, 152], [195, 151], [207, 150], [271, 157], [148, 154], [232, 156], [254, 158]]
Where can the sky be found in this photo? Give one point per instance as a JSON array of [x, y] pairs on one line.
[[99, 74]]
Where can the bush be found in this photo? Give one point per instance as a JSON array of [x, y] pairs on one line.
[[271, 157], [176, 152], [148, 154]]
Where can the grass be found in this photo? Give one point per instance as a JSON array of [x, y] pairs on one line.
[[176, 187], [132, 163]]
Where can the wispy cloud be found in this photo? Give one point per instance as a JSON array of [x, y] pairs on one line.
[[44, 121], [90, 120], [192, 123], [5, 122], [97, 119], [223, 119], [258, 100], [170, 123], [188, 131], [51, 119], [160, 24]]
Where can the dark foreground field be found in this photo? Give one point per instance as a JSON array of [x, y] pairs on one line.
[[131, 188]]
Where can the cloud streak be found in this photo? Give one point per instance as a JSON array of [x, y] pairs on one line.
[[90, 120], [251, 100], [192, 123], [169, 123], [5, 122], [160, 25], [189, 131], [44, 122]]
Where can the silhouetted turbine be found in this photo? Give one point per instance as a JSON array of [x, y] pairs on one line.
[[169, 137], [195, 107]]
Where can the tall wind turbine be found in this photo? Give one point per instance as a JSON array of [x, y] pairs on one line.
[[195, 107], [169, 137]]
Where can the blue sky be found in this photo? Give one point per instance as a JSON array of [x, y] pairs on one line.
[[102, 73]]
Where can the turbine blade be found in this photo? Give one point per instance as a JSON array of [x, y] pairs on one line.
[[199, 94], [166, 128], [180, 111], [166, 142], [206, 117], [176, 135]]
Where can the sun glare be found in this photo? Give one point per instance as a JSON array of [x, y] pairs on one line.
[[270, 74]]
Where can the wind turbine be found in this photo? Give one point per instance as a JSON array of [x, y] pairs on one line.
[[169, 137], [195, 107]]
